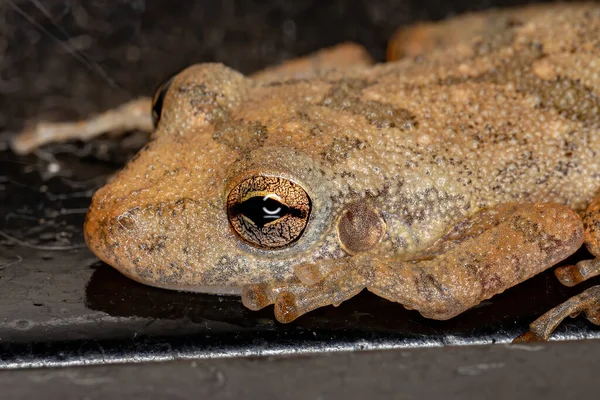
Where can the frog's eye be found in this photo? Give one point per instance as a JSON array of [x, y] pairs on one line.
[[157, 100], [268, 212]]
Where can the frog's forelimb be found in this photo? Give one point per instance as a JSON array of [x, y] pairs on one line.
[[490, 252]]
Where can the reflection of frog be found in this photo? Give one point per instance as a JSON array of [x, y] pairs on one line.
[[436, 181]]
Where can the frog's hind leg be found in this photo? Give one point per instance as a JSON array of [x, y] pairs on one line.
[[133, 115], [341, 57], [587, 302], [137, 114]]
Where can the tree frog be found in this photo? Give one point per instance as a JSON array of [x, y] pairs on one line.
[[436, 181]]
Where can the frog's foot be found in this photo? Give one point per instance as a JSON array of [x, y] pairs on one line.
[[312, 288], [587, 302], [133, 115], [570, 275]]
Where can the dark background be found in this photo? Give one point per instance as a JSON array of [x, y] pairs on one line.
[[61, 60], [71, 58]]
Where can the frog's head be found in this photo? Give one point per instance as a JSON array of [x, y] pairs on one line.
[[211, 204]]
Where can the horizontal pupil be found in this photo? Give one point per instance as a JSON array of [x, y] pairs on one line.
[[262, 210]]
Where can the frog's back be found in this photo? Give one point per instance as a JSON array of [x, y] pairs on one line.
[[514, 115]]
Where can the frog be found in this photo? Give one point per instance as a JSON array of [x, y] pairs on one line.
[[462, 168]]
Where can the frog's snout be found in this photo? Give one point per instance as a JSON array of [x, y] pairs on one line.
[[173, 243], [98, 233], [130, 240]]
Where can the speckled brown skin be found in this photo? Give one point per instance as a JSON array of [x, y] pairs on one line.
[[478, 29], [466, 167]]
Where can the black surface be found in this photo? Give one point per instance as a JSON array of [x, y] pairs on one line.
[[61, 307], [549, 372]]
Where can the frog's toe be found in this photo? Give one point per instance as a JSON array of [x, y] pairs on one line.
[[286, 309], [300, 298], [259, 295], [311, 289], [528, 337], [256, 296], [587, 302], [571, 275], [290, 305]]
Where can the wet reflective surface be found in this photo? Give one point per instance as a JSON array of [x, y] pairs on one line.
[[549, 372], [59, 305]]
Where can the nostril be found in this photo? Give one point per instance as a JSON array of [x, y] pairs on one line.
[[126, 221]]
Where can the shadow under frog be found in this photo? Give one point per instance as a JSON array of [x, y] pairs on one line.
[[364, 317]]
